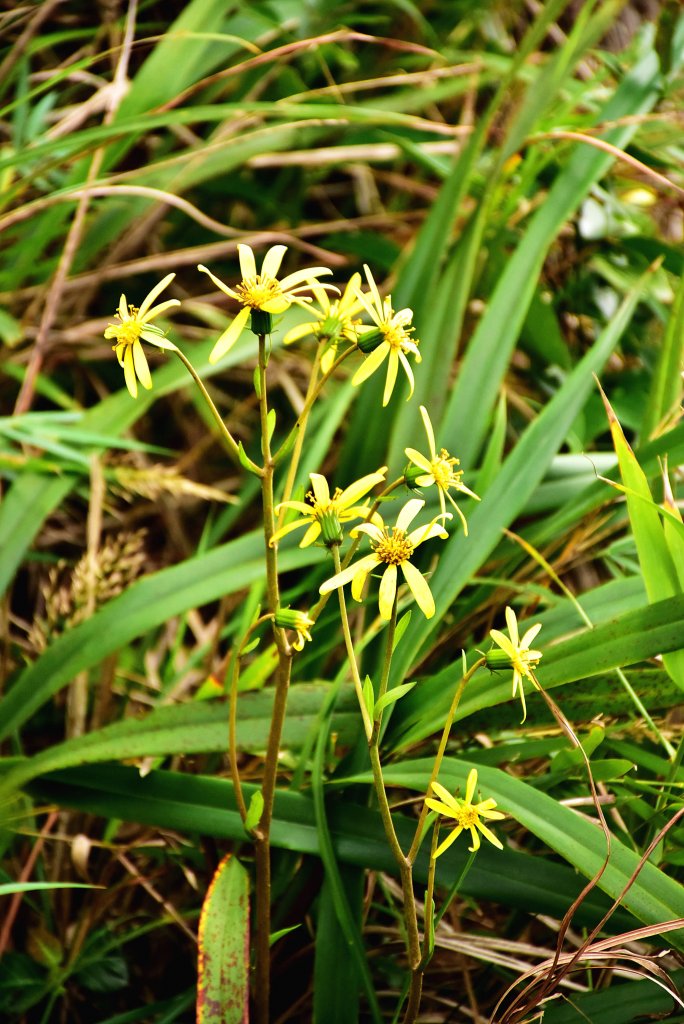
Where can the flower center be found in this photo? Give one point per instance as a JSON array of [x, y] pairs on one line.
[[468, 816], [525, 661], [128, 331], [442, 467], [256, 291], [322, 508], [394, 549], [395, 335]]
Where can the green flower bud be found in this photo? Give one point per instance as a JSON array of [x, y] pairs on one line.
[[411, 476], [497, 660], [369, 340], [262, 322], [332, 533]]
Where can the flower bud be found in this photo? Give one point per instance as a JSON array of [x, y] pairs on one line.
[[412, 474], [369, 340], [497, 660], [300, 622], [332, 533]]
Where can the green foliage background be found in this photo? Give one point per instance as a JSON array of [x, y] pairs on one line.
[[516, 179]]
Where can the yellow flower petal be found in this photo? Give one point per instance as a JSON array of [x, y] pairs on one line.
[[408, 371], [350, 495], [488, 834], [129, 372], [388, 590], [448, 841], [390, 380], [142, 370], [419, 589], [151, 296], [371, 363], [272, 261], [512, 624], [320, 488], [470, 785], [364, 564], [446, 796], [429, 431], [230, 335], [247, 264]]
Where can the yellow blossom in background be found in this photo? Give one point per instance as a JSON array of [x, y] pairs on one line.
[[519, 657], [334, 321], [393, 548], [439, 469], [466, 814], [324, 514], [134, 324], [389, 339], [262, 291]]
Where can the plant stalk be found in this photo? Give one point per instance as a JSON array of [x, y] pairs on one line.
[[282, 682]]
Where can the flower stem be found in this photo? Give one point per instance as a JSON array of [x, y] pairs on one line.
[[387, 665], [300, 426], [415, 845], [311, 396], [282, 681], [232, 715], [349, 644], [228, 438]]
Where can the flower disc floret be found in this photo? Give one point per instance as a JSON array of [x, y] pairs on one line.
[[263, 292], [521, 658], [390, 339], [466, 815], [134, 325], [392, 548], [440, 469]]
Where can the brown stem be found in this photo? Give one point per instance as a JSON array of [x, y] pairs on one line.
[[282, 682]]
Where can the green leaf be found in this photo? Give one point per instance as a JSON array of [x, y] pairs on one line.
[[402, 626], [200, 804], [391, 696], [657, 565], [624, 640], [8, 888], [223, 940], [254, 811], [193, 728], [666, 387], [369, 696], [653, 898]]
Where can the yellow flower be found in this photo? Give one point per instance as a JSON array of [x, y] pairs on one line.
[[466, 814], [519, 657], [262, 291], [324, 514], [439, 469], [392, 547], [135, 324], [334, 321], [389, 339], [300, 622]]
